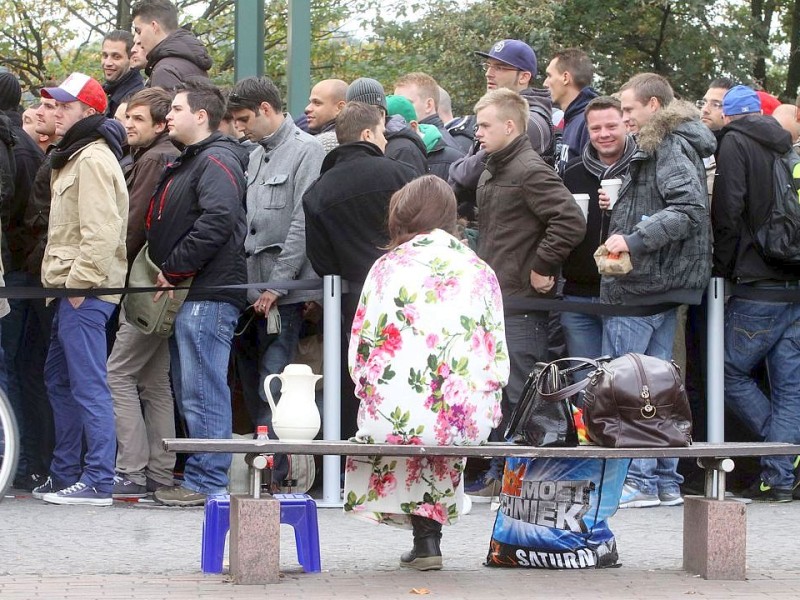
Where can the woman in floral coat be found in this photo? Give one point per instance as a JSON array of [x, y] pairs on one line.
[[428, 358]]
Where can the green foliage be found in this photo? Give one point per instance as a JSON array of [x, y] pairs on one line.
[[689, 41]]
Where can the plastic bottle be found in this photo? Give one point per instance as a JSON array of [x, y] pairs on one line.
[[262, 432]]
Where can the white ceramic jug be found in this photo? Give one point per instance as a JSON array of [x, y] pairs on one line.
[[296, 417]]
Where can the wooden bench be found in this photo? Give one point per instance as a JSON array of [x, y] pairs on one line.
[[714, 529]]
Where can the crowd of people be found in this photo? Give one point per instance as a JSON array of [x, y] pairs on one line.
[[433, 220]]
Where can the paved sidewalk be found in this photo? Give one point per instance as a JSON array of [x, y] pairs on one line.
[[142, 552]]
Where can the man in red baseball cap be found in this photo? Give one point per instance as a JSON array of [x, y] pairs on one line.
[[85, 249]]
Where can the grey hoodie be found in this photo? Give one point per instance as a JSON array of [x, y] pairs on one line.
[[662, 211]]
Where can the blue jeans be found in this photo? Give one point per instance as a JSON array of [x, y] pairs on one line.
[[584, 333], [755, 331], [200, 348], [259, 354], [653, 335], [75, 375]]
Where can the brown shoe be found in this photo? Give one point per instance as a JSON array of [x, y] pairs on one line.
[[179, 496]]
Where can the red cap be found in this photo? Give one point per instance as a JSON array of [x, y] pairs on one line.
[[768, 102], [79, 87]]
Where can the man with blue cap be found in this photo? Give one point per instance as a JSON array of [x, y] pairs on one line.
[[756, 330], [509, 64]]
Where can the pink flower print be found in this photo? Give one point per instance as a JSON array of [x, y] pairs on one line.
[[454, 389], [370, 401], [410, 313], [443, 370], [374, 368], [392, 341], [383, 483], [483, 343], [437, 512], [456, 423], [413, 471], [431, 340], [349, 465], [358, 320], [393, 438]]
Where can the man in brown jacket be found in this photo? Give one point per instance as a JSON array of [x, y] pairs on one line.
[[138, 368], [528, 224]]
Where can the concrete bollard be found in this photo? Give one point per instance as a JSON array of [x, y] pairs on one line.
[[255, 540]]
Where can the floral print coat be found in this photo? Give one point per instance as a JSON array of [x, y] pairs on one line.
[[428, 358]]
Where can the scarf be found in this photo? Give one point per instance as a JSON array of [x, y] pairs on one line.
[[603, 171], [83, 133]]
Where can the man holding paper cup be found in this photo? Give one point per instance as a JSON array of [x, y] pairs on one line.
[[606, 157], [661, 218]]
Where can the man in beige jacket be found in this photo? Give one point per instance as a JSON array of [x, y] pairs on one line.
[[85, 250]]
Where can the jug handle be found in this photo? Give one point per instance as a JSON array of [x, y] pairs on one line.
[[267, 391]]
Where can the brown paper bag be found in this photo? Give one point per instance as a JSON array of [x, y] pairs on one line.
[[612, 264]]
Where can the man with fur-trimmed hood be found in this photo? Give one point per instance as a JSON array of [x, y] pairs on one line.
[[661, 218]]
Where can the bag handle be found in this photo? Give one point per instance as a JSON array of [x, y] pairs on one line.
[[572, 389]]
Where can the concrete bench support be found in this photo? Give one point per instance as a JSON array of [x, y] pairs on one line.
[[714, 538], [255, 540]]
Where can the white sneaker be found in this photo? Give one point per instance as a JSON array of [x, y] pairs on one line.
[[79, 493], [633, 497]]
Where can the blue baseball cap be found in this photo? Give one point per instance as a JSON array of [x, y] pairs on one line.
[[741, 100], [513, 52]]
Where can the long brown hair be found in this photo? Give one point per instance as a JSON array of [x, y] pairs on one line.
[[424, 204]]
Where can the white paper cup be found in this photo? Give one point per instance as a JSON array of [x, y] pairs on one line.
[[583, 202], [611, 187]]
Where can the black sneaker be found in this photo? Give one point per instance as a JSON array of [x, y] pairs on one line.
[[761, 492], [125, 488], [48, 486], [29, 482]]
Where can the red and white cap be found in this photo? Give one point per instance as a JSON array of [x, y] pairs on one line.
[[79, 87]]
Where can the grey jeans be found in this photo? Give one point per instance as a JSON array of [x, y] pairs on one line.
[[138, 375]]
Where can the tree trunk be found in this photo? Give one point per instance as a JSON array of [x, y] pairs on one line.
[[124, 20], [761, 11], [793, 73]]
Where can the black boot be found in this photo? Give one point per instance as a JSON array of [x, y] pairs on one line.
[[426, 555]]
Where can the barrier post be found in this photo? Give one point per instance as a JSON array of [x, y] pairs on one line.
[[331, 388], [715, 385]]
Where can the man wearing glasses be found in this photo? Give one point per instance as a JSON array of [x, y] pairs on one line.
[[509, 64], [711, 104]]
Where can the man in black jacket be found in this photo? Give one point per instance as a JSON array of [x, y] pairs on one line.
[[607, 156], [195, 229], [402, 144], [21, 163], [173, 53], [346, 212], [122, 81], [569, 76], [756, 330]]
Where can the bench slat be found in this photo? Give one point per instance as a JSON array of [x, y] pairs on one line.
[[342, 447]]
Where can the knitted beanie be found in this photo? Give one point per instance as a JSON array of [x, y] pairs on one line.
[[10, 91], [368, 91]]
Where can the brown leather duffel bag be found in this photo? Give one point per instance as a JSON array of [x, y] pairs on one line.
[[635, 401]]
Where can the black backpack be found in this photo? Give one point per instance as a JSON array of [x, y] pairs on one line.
[[778, 236]]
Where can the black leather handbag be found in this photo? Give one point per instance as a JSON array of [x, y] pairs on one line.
[[544, 416]]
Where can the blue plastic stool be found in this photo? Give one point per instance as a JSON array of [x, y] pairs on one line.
[[297, 510]]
